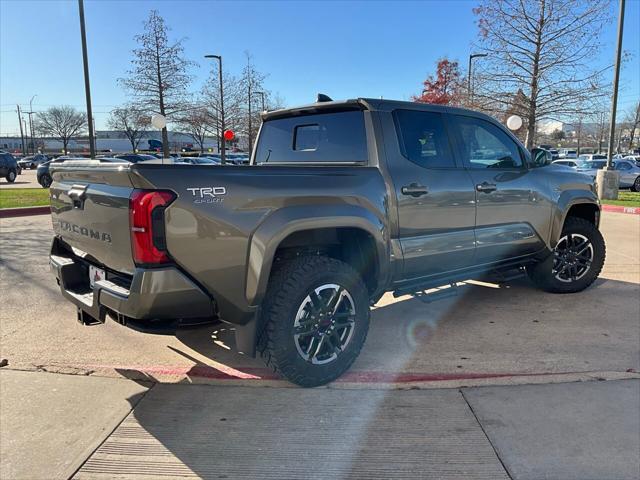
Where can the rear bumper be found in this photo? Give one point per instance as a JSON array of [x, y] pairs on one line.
[[153, 296]]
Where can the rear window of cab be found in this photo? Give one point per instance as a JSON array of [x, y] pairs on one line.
[[337, 137]]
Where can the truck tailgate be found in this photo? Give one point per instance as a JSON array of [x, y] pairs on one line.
[[90, 211]]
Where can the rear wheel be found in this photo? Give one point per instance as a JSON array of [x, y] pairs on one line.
[[636, 185], [315, 320], [11, 176], [576, 261], [45, 180]]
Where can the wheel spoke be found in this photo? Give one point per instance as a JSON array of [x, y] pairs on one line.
[[334, 301], [584, 248], [303, 330], [317, 348], [335, 346], [316, 302], [337, 325]]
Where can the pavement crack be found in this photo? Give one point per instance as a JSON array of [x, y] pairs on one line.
[[504, 466]]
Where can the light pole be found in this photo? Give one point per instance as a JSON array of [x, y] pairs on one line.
[[87, 89], [223, 151], [469, 74], [262, 99], [607, 178], [30, 112], [24, 152]]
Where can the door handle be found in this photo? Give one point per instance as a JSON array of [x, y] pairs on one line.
[[414, 190], [486, 187]]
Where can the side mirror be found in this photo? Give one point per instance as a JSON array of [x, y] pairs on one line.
[[540, 157]]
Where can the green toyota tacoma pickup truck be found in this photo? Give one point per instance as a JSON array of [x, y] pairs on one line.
[[342, 202]]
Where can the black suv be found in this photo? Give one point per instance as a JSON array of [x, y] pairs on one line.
[[8, 167]]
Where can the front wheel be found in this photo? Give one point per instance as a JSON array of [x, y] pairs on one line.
[[576, 261], [315, 320], [636, 185]]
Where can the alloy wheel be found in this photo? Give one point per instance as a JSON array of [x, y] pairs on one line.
[[573, 256], [324, 324]]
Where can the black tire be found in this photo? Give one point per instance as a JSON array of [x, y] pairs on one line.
[[11, 176], [291, 285], [636, 185], [45, 180], [546, 278]]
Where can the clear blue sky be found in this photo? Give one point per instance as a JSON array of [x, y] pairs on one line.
[[344, 49]]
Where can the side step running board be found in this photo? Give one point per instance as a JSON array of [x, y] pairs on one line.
[[438, 294]]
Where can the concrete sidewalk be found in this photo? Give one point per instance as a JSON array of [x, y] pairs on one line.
[[51, 423]]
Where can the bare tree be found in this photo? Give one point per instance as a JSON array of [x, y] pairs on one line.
[[131, 121], [233, 102], [197, 123], [545, 48], [633, 119], [159, 78], [251, 81], [62, 122]]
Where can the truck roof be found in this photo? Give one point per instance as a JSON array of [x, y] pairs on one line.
[[372, 104]]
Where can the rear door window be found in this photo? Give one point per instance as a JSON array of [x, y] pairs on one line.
[[325, 137], [423, 138]]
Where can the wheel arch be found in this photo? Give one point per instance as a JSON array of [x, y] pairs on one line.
[[581, 204], [347, 232]]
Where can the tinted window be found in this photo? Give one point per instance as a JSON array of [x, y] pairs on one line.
[[423, 138], [622, 166], [324, 137], [483, 145]]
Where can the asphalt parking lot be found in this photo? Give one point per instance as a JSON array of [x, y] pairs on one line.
[[487, 329], [405, 409]]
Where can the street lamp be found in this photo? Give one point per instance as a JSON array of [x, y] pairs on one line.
[[222, 140], [262, 97], [469, 75]]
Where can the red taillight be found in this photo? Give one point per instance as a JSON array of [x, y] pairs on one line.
[[146, 219]]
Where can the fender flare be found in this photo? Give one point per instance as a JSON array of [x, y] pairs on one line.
[[276, 227], [568, 199]]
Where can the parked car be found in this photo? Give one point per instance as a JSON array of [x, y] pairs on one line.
[[33, 161], [633, 158], [567, 163], [344, 201], [136, 157], [589, 157], [567, 153], [629, 174], [8, 167], [200, 161], [590, 167], [554, 154]]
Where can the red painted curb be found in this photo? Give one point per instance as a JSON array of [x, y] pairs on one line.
[[24, 211], [621, 209], [223, 372]]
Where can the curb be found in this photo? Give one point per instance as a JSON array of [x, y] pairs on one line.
[[24, 211], [621, 209]]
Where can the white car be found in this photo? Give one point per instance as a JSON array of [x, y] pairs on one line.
[[574, 164], [567, 153]]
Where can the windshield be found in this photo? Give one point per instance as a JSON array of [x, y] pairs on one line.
[[597, 165]]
